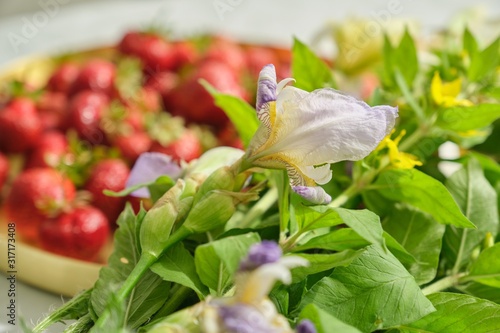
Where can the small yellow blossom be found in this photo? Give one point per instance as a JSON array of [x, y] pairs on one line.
[[399, 159], [446, 93]]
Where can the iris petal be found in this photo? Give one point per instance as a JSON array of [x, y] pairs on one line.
[[147, 168]]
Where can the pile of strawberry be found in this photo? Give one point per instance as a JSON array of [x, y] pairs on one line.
[[82, 131]]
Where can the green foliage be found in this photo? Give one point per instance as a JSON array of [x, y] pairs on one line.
[[217, 261], [324, 321], [146, 297], [177, 265], [375, 291], [461, 119], [400, 60], [421, 236], [477, 200], [309, 71], [423, 192], [241, 114], [457, 313]]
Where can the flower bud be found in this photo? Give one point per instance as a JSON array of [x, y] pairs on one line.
[[220, 179], [159, 220], [212, 211]]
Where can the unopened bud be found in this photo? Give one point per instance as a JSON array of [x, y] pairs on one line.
[[159, 220], [220, 179], [212, 211]]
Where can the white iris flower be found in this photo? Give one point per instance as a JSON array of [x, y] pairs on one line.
[[304, 132]]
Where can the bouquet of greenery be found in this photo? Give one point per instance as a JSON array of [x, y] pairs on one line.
[[338, 216]]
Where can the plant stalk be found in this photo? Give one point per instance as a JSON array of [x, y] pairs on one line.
[[443, 284]]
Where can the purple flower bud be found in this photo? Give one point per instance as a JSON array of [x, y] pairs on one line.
[[306, 326], [314, 194], [244, 319], [260, 254]]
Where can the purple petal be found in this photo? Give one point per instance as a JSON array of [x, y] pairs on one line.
[[316, 194], [241, 318], [148, 167], [306, 326], [266, 90], [261, 253]]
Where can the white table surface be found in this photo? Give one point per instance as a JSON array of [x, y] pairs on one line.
[[78, 25]]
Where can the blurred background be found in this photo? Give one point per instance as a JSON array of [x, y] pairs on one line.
[[34, 26]]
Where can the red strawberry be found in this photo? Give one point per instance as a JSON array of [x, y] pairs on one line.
[[109, 174], [37, 194], [229, 137], [20, 125], [4, 170], [185, 54], [258, 57], [156, 54], [80, 233], [48, 151], [164, 83], [191, 100], [97, 75], [52, 108], [186, 148], [228, 52], [133, 145], [131, 43], [63, 78], [85, 112]]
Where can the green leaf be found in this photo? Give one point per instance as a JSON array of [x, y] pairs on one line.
[[324, 321], [217, 261], [375, 291], [177, 265], [337, 240], [398, 250], [423, 192], [147, 296], [365, 223], [484, 62], [75, 308], [159, 187], [116, 317], [462, 119], [469, 43], [486, 269], [490, 167], [323, 262], [421, 236], [481, 291], [457, 313], [82, 325], [401, 59], [242, 115], [309, 71], [313, 217], [477, 200]]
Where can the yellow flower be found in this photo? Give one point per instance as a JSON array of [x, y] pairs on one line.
[[446, 93], [399, 159]]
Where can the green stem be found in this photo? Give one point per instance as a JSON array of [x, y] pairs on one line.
[[443, 284], [350, 192], [415, 137], [178, 295], [259, 208], [400, 80]]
